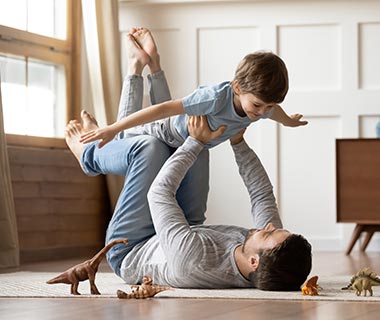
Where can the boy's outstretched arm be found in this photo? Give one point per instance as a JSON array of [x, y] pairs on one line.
[[146, 115], [280, 116]]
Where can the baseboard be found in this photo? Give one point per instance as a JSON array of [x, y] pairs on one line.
[[323, 244], [49, 254]]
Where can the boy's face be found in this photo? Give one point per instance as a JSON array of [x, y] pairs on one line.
[[252, 106], [247, 104]]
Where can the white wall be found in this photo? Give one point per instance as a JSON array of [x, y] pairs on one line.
[[332, 51]]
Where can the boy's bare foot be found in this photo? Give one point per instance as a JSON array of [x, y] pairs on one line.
[[137, 57], [73, 132], [145, 40], [88, 121]]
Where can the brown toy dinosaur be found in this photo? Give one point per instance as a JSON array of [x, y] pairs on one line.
[[145, 290], [363, 280], [85, 270], [311, 287]]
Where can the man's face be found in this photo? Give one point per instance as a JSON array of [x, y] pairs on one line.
[[264, 239]]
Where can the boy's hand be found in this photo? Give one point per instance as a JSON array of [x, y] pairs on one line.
[[295, 120], [199, 129], [105, 135], [238, 137]]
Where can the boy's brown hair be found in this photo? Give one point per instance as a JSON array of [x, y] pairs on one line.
[[264, 75]]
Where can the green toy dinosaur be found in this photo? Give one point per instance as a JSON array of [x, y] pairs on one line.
[[363, 280]]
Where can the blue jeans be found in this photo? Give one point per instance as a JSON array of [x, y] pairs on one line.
[[139, 159]]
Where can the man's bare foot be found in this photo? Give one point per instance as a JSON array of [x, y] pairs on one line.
[[88, 121], [145, 40], [73, 132], [137, 57]]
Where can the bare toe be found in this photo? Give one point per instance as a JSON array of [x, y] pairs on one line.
[[145, 40], [89, 122], [132, 30]]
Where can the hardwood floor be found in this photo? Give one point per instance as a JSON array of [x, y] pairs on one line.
[[324, 263]]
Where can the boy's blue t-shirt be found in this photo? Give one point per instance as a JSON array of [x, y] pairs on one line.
[[216, 102]]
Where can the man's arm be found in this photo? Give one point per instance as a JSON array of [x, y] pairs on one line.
[[263, 203], [152, 113], [175, 235], [280, 116], [172, 228]]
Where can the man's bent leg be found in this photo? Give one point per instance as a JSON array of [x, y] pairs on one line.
[[139, 159], [193, 191]]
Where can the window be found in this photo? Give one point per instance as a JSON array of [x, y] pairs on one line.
[[44, 17], [39, 65]]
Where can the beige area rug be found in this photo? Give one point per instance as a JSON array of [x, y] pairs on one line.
[[33, 285]]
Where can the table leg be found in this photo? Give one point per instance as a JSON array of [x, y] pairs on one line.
[[355, 236], [366, 241]]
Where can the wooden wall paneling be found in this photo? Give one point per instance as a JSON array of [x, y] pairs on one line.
[[60, 211]]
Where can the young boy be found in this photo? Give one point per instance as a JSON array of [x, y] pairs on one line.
[[260, 83]]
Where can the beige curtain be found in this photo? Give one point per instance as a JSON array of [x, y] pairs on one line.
[[9, 247], [102, 40]]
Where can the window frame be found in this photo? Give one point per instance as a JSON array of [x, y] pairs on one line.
[[65, 52]]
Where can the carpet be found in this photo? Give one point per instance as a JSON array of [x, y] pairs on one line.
[[33, 285]]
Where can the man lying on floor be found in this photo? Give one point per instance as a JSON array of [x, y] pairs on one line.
[[169, 242]]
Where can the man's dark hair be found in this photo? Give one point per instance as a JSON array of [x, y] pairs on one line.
[[285, 267]]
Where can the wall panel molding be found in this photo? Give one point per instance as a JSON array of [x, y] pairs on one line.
[[331, 49], [369, 52]]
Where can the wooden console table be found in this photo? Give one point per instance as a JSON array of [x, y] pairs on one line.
[[358, 187]]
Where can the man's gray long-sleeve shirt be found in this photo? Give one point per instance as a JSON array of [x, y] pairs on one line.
[[199, 256]]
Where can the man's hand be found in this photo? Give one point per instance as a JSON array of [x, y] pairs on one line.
[[237, 138], [105, 135], [199, 129]]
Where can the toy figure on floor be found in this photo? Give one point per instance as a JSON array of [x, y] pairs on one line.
[[363, 280], [311, 287], [85, 270], [143, 291]]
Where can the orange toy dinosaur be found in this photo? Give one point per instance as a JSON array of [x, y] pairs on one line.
[[85, 270], [311, 287], [145, 290]]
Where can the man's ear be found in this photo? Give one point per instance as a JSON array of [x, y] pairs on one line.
[[236, 87], [254, 262]]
